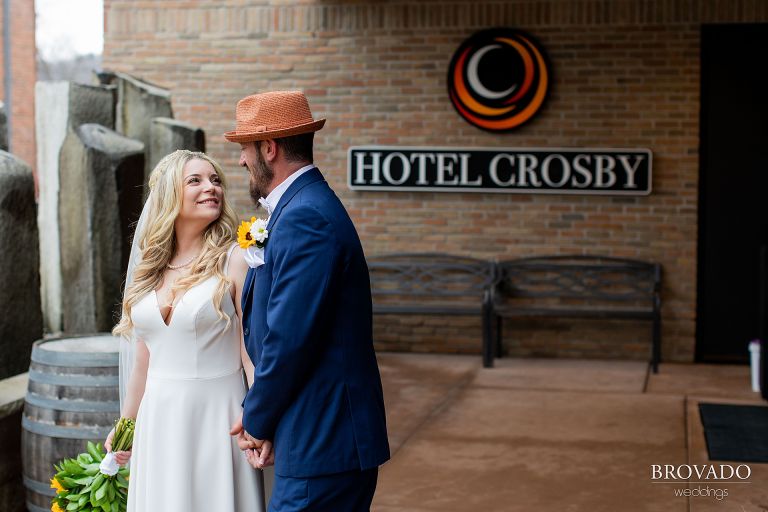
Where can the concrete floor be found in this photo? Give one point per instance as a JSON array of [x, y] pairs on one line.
[[552, 435]]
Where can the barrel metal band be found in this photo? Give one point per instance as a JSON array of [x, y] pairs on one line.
[[95, 381], [91, 359], [62, 404], [48, 430], [34, 508], [43, 488]]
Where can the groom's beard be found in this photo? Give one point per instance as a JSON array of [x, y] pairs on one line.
[[261, 178]]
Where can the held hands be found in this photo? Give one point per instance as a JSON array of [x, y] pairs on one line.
[[121, 458], [258, 452], [260, 459]]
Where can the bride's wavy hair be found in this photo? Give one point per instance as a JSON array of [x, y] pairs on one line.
[[157, 244]]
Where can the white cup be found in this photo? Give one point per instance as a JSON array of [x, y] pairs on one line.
[[754, 358]]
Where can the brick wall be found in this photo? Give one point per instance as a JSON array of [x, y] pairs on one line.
[[625, 74], [22, 110]]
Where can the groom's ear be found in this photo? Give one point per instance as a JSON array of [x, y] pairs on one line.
[[271, 149]]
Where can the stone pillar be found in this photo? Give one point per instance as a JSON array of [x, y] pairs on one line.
[[12, 392], [138, 103], [21, 321], [167, 135], [3, 128], [99, 196], [60, 106]]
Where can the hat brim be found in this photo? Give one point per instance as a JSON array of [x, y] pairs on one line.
[[236, 136]]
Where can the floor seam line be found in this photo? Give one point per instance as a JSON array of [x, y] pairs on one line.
[[450, 396]]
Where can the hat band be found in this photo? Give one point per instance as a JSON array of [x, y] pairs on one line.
[[263, 128]]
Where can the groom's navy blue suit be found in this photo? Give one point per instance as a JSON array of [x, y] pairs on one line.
[[307, 325]]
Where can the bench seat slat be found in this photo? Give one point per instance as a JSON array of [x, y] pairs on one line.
[[575, 312], [457, 309]]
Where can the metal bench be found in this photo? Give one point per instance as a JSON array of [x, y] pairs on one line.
[[433, 284], [578, 287]]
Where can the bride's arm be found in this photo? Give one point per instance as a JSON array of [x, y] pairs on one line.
[[247, 363], [133, 394], [136, 382], [236, 272]]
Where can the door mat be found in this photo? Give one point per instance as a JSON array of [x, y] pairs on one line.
[[735, 432]]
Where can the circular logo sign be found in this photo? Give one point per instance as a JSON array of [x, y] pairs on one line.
[[498, 79]]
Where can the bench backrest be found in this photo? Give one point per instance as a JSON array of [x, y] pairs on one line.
[[429, 275], [596, 278]]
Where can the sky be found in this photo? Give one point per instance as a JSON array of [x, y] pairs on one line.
[[65, 28]]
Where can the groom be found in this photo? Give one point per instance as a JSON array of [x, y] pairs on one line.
[[316, 392]]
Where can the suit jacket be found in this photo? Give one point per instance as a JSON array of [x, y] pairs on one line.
[[307, 326]]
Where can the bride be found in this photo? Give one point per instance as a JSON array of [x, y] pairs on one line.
[[181, 317]]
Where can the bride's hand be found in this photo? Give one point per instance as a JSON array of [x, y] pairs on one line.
[[244, 441], [108, 440], [121, 458]]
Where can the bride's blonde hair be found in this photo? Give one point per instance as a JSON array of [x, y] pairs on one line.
[[158, 241]]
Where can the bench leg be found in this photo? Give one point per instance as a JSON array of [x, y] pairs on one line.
[[487, 336], [499, 344], [487, 349], [656, 358]]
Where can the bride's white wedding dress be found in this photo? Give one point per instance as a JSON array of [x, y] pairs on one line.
[[183, 456]]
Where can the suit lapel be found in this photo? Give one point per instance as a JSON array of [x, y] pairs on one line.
[[309, 177]]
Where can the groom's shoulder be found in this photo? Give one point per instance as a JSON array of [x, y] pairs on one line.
[[318, 194], [320, 201], [306, 207]]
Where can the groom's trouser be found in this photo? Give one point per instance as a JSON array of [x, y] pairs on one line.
[[351, 491]]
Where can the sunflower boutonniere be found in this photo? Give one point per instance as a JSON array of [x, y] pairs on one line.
[[253, 233]]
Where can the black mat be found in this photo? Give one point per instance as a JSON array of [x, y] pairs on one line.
[[735, 432]]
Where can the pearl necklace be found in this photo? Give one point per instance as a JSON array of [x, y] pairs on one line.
[[176, 267]]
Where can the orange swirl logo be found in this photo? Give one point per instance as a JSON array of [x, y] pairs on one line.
[[498, 79]]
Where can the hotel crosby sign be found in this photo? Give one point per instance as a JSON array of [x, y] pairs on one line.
[[510, 170]]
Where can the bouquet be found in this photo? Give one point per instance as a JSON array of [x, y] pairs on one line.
[[93, 481]]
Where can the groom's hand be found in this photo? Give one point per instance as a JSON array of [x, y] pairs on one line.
[[244, 440], [261, 458]]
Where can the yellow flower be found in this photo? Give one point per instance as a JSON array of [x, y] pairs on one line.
[[56, 508], [244, 238], [56, 485]]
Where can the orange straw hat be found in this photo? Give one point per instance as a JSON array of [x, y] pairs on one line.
[[272, 115]]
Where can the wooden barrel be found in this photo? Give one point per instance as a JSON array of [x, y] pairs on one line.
[[72, 398]]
